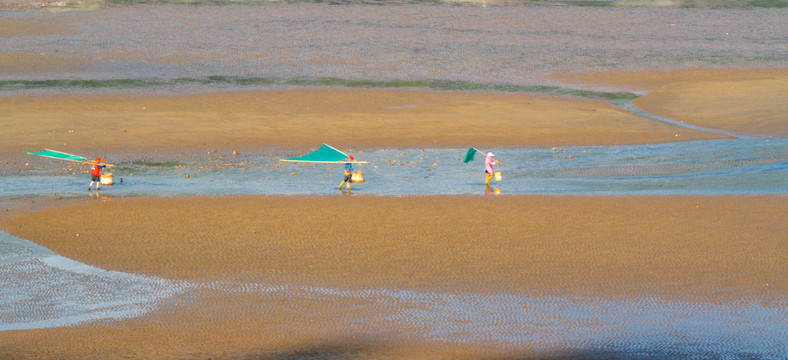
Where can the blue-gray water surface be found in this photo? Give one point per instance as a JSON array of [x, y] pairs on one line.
[[725, 166], [513, 47], [42, 289]]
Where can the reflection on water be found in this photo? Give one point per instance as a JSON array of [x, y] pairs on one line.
[[488, 190], [730, 166], [495, 48]]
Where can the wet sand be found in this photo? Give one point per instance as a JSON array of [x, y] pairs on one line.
[[688, 248], [716, 249], [743, 101], [433, 242], [746, 103], [300, 119], [685, 248], [304, 118]]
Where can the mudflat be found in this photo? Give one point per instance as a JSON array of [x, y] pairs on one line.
[[695, 252], [305, 118], [709, 249], [746, 102], [298, 119]]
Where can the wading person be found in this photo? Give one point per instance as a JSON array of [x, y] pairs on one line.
[[489, 172], [95, 173], [348, 174]]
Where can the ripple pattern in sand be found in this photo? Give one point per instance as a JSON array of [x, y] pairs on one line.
[[638, 326], [41, 289]]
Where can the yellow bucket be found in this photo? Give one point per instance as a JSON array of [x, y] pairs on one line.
[[106, 179], [498, 176]]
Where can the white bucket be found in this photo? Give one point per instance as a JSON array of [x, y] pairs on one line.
[[106, 179], [498, 176]]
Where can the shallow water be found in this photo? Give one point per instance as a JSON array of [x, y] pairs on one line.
[[475, 46], [42, 289], [730, 166]]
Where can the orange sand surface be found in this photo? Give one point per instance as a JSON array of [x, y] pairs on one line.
[[751, 106], [688, 248], [646, 81], [748, 101], [304, 118]]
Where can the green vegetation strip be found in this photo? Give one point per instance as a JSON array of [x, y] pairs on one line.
[[445, 85]]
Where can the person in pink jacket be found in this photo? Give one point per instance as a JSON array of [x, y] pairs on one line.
[[489, 162]]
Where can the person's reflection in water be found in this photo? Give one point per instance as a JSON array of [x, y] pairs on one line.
[[491, 191]]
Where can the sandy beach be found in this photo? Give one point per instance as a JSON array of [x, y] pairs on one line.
[[343, 277], [300, 119], [304, 118], [709, 249], [714, 249], [706, 249]]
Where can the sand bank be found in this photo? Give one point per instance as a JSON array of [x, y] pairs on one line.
[[743, 101], [749, 104], [712, 249], [304, 118], [545, 245]]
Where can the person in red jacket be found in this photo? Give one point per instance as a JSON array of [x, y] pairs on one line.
[[95, 173]]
